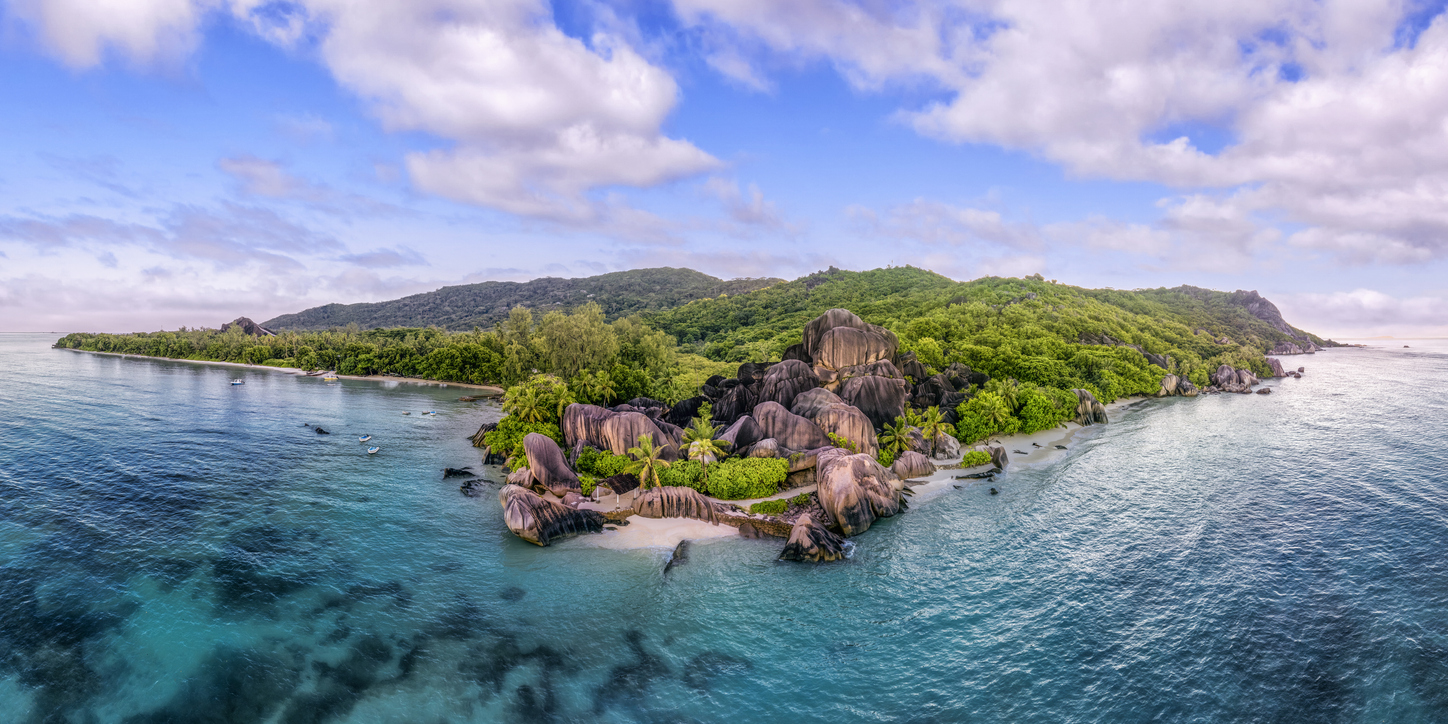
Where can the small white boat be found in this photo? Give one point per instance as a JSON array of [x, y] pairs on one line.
[[373, 450], [364, 438], [430, 412], [238, 382], [407, 413]]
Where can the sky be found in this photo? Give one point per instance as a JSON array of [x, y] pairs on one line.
[[184, 162]]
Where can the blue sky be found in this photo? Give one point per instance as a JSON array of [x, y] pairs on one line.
[[183, 162]]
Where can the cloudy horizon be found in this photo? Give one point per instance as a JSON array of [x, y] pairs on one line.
[[183, 162]]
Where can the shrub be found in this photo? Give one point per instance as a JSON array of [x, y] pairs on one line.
[[801, 499], [741, 478], [507, 438], [841, 442], [886, 458], [974, 458], [684, 474], [769, 507], [601, 463], [588, 482]]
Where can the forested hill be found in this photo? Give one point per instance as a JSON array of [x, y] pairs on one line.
[[1017, 327], [483, 305]]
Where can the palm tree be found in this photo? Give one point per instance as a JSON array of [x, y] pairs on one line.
[[522, 400], [894, 438], [699, 441], [999, 412], [932, 425], [647, 462], [603, 387], [1006, 389]]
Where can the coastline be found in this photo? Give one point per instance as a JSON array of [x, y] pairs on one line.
[[669, 532], [492, 390]]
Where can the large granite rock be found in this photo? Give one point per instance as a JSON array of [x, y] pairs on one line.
[[815, 330], [856, 491], [849, 345], [849, 423], [946, 447], [616, 431], [911, 367], [1088, 410], [1276, 366], [545, 461], [789, 429], [1228, 379], [540, 521], [736, 402], [932, 392], [744, 432], [812, 542], [961, 376], [808, 404], [675, 502], [786, 380], [912, 464], [882, 399], [797, 352], [684, 411], [998, 456]]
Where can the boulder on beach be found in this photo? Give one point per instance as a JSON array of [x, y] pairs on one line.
[[855, 490], [788, 429], [811, 542], [1088, 410], [540, 521], [616, 432], [946, 447], [549, 469], [1168, 386], [998, 456], [786, 380], [911, 465], [675, 502], [848, 422]]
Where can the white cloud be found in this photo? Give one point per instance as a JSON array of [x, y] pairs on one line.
[[747, 207], [82, 32], [935, 222], [1367, 312]]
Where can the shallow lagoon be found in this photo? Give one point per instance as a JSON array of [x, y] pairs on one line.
[[176, 549]]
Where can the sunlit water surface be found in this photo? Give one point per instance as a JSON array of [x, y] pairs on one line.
[[175, 549]]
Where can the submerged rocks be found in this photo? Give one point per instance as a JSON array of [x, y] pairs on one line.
[[788, 429], [675, 502], [539, 521], [912, 464], [547, 465], [811, 542], [856, 491]]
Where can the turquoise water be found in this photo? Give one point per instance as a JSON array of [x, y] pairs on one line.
[[174, 549]]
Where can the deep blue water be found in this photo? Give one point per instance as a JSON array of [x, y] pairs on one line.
[[173, 549]]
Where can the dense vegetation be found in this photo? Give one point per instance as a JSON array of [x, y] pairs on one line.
[[1036, 339], [463, 307]]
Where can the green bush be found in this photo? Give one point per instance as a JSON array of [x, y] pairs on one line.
[[588, 482], [601, 463], [741, 478], [684, 474], [982, 416], [801, 499], [885, 457], [974, 458], [507, 439], [769, 507], [841, 442]]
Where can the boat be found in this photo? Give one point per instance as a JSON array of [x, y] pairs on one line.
[[373, 450], [430, 412], [238, 382], [407, 413], [329, 378], [364, 438]]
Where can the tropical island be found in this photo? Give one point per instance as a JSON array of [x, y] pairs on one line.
[[803, 410]]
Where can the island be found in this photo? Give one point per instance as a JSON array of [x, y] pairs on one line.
[[803, 410]]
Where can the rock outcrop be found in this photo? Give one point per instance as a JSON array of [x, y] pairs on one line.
[[848, 422], [882, 399], [549, 469], [788, 429], [912, 464], [786, 380], [1228, 379], [540, 521], [1174, 386], [809, 404], [1276, 366], [744, 432], [856, 491], [616, 432], [1088, 410], [248, 327], [812, 542], [675, 502], [946, 447]]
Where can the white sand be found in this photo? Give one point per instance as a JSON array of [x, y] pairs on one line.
[[657, 533]]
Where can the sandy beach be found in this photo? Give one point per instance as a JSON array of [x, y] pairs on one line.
[[490, 390]]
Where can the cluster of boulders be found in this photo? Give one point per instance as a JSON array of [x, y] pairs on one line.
[[1177, 386], [1232, 380]]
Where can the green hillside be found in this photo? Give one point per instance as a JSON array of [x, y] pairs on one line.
[[463, 307]]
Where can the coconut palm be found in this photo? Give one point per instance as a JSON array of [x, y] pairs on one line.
[[932, 424], [522, 400], [647, 462], [894, 438], [603, 388], [998, 412], [1008, 390], [699, 441]]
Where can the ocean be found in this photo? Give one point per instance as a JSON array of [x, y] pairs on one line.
[[176, 549]]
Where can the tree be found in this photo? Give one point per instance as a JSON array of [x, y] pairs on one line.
[[647, 462], [577, 342], [894, 438], [701, 444], [542, 398], [933, 425], [522, 400]]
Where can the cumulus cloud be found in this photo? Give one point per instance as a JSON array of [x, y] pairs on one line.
[[936, 222], [1333, 111], [747, 208], [82, 33]]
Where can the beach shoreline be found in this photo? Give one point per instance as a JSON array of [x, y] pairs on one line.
[[492, 390]]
